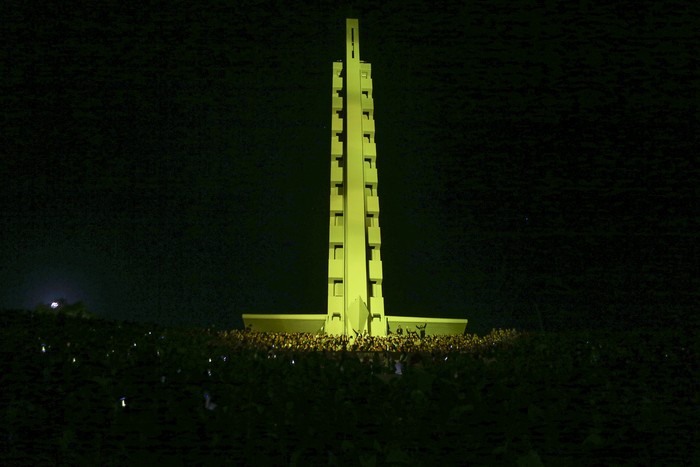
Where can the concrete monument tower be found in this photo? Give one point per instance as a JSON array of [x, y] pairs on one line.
[[355, 301]]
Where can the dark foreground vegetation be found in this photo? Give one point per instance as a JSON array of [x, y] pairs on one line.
[[89, 392]]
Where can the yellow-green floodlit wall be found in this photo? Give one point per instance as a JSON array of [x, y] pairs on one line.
[[284, 323]]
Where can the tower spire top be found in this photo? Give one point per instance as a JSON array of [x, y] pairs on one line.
[[352, 39]]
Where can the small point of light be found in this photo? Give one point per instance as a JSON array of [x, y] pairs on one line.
[[43, 348], [123, 401], [73, 359], [54, 305], [209, 372], [134, 344], [210, 360]]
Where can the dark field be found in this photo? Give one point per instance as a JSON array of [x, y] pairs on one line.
[[93, 392]]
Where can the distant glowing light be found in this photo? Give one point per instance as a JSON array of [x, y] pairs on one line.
[[123, 401], [54, 304]]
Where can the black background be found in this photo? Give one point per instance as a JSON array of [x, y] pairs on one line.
[[169, 162]]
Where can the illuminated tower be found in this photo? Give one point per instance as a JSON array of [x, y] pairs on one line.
[[355, 302]]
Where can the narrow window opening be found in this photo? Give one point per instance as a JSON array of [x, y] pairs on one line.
[[352, 38], [338, 288], [373, 253]]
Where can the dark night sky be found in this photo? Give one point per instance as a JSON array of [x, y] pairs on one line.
[[170, 162]]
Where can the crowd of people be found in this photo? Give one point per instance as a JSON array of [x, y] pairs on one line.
[[94, 392], [392, 343]]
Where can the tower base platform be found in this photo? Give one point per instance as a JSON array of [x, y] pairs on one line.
[[285, 323], [314, 323]]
